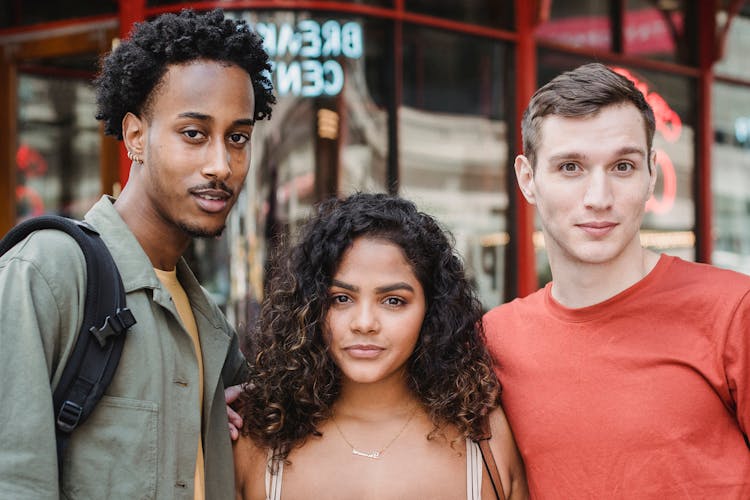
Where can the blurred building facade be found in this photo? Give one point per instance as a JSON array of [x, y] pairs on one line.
[[417, 97]]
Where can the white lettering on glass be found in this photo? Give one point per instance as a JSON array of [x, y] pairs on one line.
[[306, 56]]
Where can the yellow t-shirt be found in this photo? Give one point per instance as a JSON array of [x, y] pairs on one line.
[[182, 304]]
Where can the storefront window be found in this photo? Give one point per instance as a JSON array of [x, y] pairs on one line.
[[577, 24], [453, 145], [734, 61], [669, 223], [661, 30], [18, 13], [377, 3], [58, 151], [490, 13], [731, 152], [731, 176]]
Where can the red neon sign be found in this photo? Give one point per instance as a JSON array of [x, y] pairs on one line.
[[668, 122], [30, 164], [669, 125]]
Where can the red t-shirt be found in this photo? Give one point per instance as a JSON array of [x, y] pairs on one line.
[[645, 395]]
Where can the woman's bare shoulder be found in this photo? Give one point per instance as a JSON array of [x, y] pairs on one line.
[[507, 456], [250, 462]]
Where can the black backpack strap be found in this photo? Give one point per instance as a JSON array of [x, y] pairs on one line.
[[100, 340]]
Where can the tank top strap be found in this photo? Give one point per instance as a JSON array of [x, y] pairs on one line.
[[473, 470], [273, 478], [473, 474]]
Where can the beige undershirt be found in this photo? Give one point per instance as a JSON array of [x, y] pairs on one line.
[[182, 304]]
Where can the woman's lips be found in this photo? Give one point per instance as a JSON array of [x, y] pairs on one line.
[[364, 351]]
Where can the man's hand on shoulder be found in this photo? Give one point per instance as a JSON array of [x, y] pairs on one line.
[[235, 420]]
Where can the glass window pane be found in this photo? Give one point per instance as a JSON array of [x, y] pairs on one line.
[[578, 23], [59, 143], [453, 145], [491, 13], [669, 223], [18, 13], [376, 3], [734, 62], [731, 176], [661, 30]]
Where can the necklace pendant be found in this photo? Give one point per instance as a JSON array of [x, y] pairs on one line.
[[372, 454]]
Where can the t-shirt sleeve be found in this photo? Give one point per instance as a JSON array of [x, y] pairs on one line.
[[737, 362]]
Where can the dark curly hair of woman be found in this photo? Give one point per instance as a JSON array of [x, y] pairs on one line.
[[293, 381], [133, 71]]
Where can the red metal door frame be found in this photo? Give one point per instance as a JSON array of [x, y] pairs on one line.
[[705, 137], [527, 281], [130, 12]]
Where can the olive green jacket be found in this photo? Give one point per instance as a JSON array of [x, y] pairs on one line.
[[140, 441]]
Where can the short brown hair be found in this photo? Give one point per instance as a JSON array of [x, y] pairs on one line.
[[581, 92]]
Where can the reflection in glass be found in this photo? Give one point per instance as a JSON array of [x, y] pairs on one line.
[[453, 145], [734, 61], [731, 177], [661, 30], [490, 13], [57, 159], [18, 13], [578, 24], [376, 3]]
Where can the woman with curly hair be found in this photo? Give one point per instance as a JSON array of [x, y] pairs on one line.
[[371, 378]]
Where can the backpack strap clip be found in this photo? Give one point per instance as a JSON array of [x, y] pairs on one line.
[[113, 326], [69, 415]]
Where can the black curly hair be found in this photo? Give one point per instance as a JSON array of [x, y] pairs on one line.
[[133, 71], [294, 382]]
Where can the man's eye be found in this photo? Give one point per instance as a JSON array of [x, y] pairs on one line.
[[192, 134], [239, 138], [623, 167], [569, 167]]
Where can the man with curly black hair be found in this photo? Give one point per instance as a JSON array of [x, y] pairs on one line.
[[183, 93]]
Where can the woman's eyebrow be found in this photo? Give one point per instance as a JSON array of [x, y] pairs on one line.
[[401, 285], [343, 285]]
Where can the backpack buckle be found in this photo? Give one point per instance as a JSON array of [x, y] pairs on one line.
[[69, 415], [113, 325]]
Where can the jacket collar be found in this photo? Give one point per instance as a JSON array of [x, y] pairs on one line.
[[135, 267]]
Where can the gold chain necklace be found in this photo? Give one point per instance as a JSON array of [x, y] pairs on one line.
[[377, 453]]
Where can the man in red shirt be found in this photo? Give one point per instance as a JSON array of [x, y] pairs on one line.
[[628, 376]]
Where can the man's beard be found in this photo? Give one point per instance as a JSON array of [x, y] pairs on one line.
[[198, 232]]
